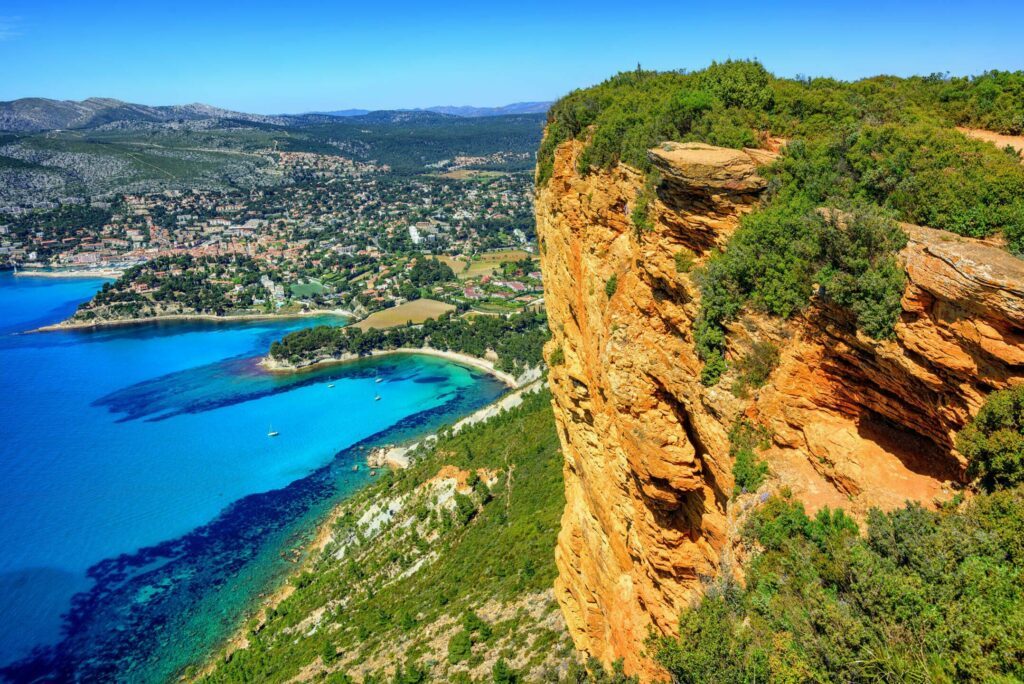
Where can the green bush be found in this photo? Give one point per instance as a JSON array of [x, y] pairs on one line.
[[460, 647], [684, 259], [755, 367], [745, 439], [501, 673], [993, 442], [465, 508], [738, 83], [557, 357], [924, 596], [611, 285], [640, 215], [779, 254]]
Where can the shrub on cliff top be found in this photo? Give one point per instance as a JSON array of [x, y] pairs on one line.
[[779, 254], [993, 442], [924, 596], [883, 139]]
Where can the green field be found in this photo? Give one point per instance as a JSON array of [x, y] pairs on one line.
[[489, 262], [308, 289]]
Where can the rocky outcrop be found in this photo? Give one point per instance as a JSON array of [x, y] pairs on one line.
[[855, 422]]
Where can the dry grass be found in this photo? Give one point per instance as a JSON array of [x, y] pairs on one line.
[[454, 263], [488, 263], [416, 311], [467, 174]]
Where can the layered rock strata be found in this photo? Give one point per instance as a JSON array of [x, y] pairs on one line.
[[855, 422]]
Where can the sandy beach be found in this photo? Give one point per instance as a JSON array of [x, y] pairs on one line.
[[111, 273], [465, 359]]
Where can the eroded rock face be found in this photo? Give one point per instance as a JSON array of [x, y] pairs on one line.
[[856, 423]]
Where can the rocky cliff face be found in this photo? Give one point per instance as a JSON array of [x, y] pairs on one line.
[[855, 422]]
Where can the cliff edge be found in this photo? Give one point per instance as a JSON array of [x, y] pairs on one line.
[[855, 422]]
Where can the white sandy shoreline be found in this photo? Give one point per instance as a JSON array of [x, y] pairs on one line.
[[456, 357], [109, 273]]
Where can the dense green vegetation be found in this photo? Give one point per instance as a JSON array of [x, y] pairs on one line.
[[993, 442], [738, 103], [214, 286], [516, 339], [929, 596], [745, 439], [873, 151], [783, 254], [754, 367], [924, 596], [429, 272], [478, 570]]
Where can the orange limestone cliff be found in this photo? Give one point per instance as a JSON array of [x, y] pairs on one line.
[[855, 422]]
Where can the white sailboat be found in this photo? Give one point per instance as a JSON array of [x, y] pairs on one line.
[[272, 432]]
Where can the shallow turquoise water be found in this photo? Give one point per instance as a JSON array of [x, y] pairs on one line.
[[142, 504]]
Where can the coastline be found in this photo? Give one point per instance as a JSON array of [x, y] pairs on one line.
[[485, 365], [395, 456], [322, 534], [108, 273], [211, 318]]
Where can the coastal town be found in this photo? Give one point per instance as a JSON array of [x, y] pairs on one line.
[[335, 234]]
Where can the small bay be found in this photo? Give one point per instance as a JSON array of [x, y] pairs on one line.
[[144, 506]]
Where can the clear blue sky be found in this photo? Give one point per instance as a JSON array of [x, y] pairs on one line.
[[308, 55]]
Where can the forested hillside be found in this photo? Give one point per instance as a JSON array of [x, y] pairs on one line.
[[222, 154]]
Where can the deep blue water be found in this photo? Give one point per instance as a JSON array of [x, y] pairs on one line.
[[142, 505]]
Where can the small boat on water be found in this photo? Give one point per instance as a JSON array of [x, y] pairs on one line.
[[377, 398], [355, 468], [330, 385], [373, 473], [272, 432]]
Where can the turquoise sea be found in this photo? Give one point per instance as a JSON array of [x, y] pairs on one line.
[[143, 507]]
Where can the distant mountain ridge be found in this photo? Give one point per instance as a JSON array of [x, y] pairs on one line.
[[37, 114], [34, 114], [461, 111], [505, 110]]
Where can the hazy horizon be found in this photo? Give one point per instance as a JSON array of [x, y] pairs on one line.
[[330, 110], [273, 59]]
